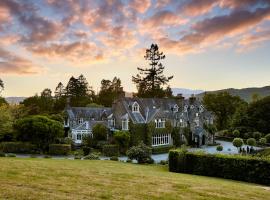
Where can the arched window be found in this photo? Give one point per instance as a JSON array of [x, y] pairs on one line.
[[135, 107], [175, 108]]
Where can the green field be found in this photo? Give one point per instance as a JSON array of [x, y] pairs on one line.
[[35, 178]]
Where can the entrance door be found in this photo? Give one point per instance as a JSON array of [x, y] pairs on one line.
[[203, 140]]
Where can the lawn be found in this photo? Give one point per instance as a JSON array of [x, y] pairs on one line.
[[35, 178]]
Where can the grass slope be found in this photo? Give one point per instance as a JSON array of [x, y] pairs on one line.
[[35, 178]]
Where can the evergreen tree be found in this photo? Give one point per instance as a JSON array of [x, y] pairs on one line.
[[59, 90], [1, 86], [109, 91], [150, 81]]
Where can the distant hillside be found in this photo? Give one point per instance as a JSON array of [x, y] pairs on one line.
[[14, 100], [245, 93], [186, 92]]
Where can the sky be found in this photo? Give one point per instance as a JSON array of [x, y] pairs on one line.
[[209, 44]]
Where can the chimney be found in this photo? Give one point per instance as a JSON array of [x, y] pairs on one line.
[[192, 99], [180, 96]]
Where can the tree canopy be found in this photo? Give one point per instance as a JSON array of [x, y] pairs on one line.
[[150, 81]]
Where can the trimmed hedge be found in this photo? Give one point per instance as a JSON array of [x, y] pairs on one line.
[[242, 168], [59, 149], [162, 149], [110, 150], [17, 147]]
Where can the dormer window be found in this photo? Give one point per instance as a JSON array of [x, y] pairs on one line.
[[175, 108], [185, 108], [201, 108], [160, 123], [80, 120], [135, 107]]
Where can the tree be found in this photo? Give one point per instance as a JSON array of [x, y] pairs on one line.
[[251, 142], [79, 92], [238, 142], [262, 141], [6, 123], [257, 135], [150, 81], [59, 90], [46, 101], [100, 132], [211, 129], [1, 86], [39, 130], [223, 105], [141, 153], [122, 138], [236, 133], [109, 91]]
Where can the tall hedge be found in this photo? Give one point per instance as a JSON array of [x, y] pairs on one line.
[[17, 147], [242, 168], [59, 149], [110, 150]]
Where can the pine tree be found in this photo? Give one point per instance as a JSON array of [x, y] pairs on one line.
[[150, 81], [1, 86], [59, 90]]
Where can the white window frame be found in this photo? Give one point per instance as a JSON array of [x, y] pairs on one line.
[[161, 139], [175, 108], [160, 123], [111, 122], [81, 121], [125, 124], [135, 107]]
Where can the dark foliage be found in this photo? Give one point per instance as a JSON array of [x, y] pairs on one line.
[[59, 149]]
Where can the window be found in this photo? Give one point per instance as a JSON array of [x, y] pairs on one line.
[[135, 107], [175, 108], [80, 120], [79, 136], [161, 139], [111, 122], [201, 108], [125, 124], [160, 123], [185, 108]]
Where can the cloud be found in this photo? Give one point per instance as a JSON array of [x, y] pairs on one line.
[[74, 51], [236, 4], [141, 6], [195, 7], [13, 64], [162, 18]]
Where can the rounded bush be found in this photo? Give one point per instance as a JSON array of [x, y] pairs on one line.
[[262, 141], [238, 142], [219, 148], [257, 135], [267, 138], [251, 142], [236, 133]]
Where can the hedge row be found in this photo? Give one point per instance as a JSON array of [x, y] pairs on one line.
[[59, 149], [17, 147], [110, 150], [162, 149], [242, 168]]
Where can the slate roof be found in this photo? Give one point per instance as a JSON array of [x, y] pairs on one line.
[[88, 113]]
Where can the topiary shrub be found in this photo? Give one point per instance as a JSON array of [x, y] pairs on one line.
[[262, 141], [251, 142], [257, 135], [141, 153], [92, 156], [59, 149], [114, 158], [238, 142], [267, 138], [219, 148], [236, 133], [110, 150]]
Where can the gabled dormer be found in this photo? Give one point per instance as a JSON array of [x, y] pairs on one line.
[[135, 107], [175, 108]]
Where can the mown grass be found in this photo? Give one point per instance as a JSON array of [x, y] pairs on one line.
[[35, 178]]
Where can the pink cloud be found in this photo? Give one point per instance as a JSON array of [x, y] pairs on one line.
[[195, 7], [141, 6], [13, 64]]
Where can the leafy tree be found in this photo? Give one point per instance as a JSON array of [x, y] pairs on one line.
[[6, 123], [223, 105], [1, 86], [39, 130], [46, 101], [100, 132], [251, 142], [255, 97], [236, 133], [238, 142], [122, 138], [141, 153], [109, 91], [60, 97], [258, 115], [150, 81], [262, 141]]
